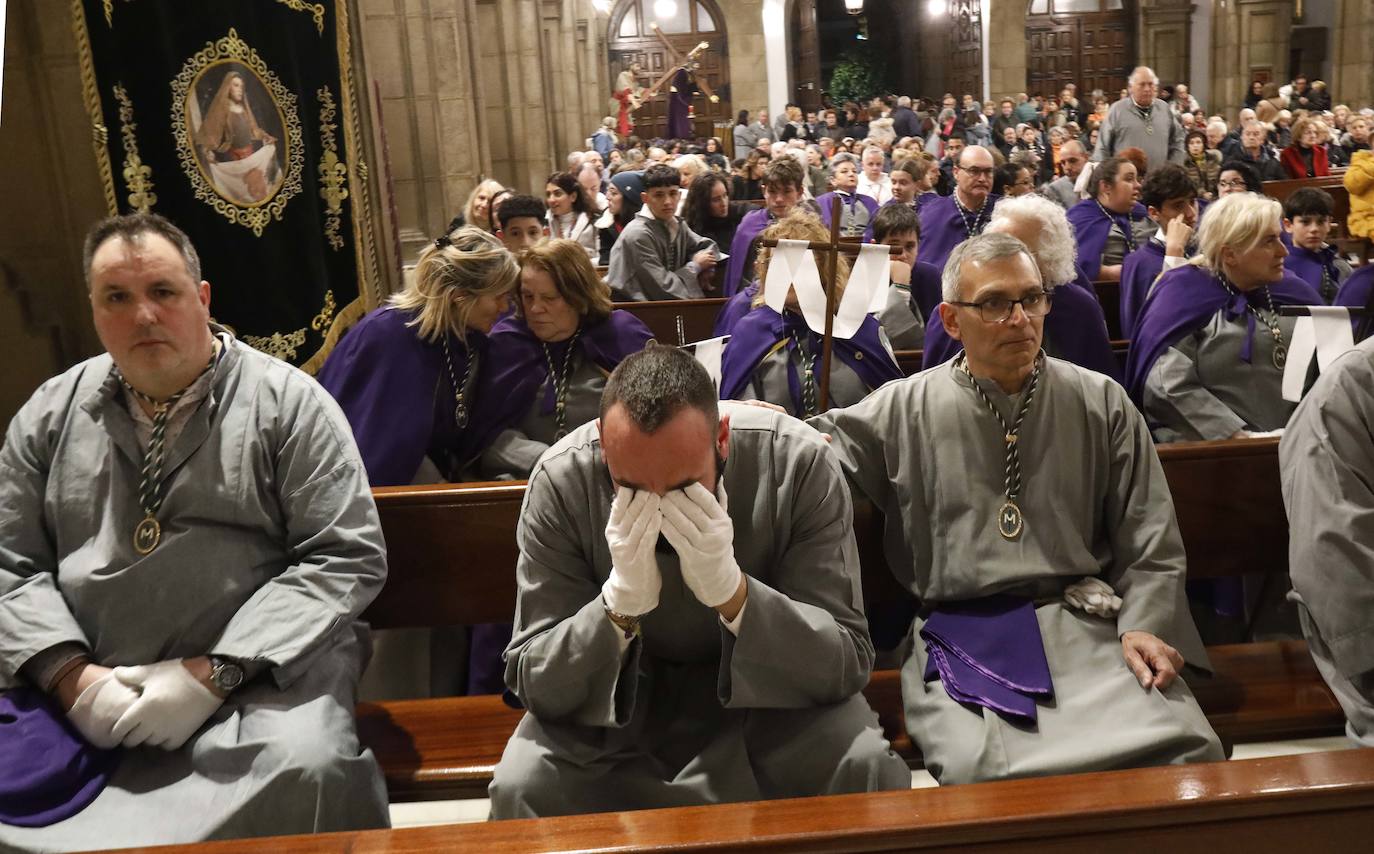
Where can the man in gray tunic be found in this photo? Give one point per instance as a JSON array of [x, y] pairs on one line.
[[1327, 464], [1141, 121], [658, 256], [721, 661], [188, 540], [1012, 479], [1061, 190]]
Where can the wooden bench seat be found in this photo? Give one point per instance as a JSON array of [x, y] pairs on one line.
[[1308, 802], [448, 748]]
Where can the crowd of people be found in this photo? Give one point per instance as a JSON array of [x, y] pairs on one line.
[[190, 536]]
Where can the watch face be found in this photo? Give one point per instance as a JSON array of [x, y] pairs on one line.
[[228, 676]]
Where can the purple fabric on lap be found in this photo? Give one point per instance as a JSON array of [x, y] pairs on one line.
[[988, 652]]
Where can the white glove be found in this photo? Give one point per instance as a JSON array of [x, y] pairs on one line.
[[699, 529], [1093, 596], [99, 708], [171, 706], [631, 533]]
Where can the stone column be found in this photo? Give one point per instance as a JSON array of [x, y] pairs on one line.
[[1005, 25], [1352, 60], [1249, 37], [1163, 26], [518, 121]]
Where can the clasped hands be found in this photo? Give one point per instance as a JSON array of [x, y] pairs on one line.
[[156, 705], [699, 529]]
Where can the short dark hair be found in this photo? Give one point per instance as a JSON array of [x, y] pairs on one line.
[[657, 383], [1309, 201], [662, 175], [782, 173], [895, 219], [1245, 171], [515, 207], [130, 228], [1169, 181]]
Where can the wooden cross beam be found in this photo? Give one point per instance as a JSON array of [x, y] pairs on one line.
[[829, 270]]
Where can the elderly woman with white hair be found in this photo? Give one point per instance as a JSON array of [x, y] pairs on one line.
[[1075, 328], [1209, 348]]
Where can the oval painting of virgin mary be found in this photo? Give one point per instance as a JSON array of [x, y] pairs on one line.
[[236, 128]]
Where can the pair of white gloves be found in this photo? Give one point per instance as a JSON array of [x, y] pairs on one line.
[[695, 523], [157, 705], [1093, 596]]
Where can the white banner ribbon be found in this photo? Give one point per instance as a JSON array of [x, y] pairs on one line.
[[793, 266], [708, 353], [1326, 333]]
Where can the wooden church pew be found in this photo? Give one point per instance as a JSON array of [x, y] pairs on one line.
[[1307, 802], [679, 321], [445, 748]]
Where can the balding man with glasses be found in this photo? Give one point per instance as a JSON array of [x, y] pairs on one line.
[[1141, 121], [950, 220], [1028, 513]]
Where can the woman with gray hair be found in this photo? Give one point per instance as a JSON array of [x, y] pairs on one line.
[[1209, 347], [1075, 328]]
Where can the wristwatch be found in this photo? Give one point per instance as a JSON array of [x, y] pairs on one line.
[[627, 623], [226, 673]]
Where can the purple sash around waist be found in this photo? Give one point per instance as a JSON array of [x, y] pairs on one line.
[[988, 652], [48, 772]]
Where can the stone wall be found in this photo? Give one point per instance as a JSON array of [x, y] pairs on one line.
[[1352, 57], [745, 41], [1248, 37]]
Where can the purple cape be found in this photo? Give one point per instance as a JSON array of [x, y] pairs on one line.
[[517, 366], [755, 335], [1091, 228], [1308, 265], [925, 288], [942, 228], [1138, 272], [396, 392], [1354, 292], [749, 228], [1075, 330], [1182, 301], [736, 307], [48, 772], [849, 199], [988, 652], [679, 105]]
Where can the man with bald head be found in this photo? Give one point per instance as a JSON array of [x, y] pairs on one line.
[[950, 220], [1073, 156], [1028, 513], [676, 645], [1142, 121]]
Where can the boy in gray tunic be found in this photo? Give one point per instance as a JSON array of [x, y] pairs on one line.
[[676, 646], [188, 540], [1008, 473], [1326, 460], [658, 256]]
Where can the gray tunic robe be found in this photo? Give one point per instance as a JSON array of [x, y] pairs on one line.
[[1199, 389], [1161, 138], [1114, 251], [515, 451], [650, 262], [905, 328], [691, 713], [770, 381], [271, 548], [1327, 463], [930, 456]]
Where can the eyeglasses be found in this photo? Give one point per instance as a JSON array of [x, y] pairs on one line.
[[1231, 185], [998, 309], [977, 171]]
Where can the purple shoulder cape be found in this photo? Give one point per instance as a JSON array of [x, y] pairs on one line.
[[1308, 265], [518, 368], [869, 203], [1138, 272], [1075, 331], [1091, 228], [1354, 292], [750, 227], [736, 307], [942, 229], [1182, 301], [754, 336], [395, 390], [925, 288]]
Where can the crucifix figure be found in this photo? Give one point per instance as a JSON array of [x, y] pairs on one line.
[[685, 84]]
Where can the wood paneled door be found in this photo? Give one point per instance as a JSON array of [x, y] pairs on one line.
[[1087, 42], [631, 39]]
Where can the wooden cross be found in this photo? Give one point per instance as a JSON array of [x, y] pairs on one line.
[[679, 62], [829, 254]]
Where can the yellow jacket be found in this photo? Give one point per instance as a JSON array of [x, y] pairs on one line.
[[1359, 180]]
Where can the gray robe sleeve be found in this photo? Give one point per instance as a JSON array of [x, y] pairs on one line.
[[564, 661], [511, 454], [804, 638], [640, 270], [1327, 464], [33, 614], [1148, 567], [333, 536], [1176, 399], [904, 328]]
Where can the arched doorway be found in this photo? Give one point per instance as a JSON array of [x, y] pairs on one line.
[[1087, 42], [631, 39]]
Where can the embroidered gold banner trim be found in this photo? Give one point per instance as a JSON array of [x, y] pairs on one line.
[[333, 171], [137, 176], [316, 11]]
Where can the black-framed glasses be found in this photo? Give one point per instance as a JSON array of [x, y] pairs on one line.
[[998, 309], [976, 171]]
